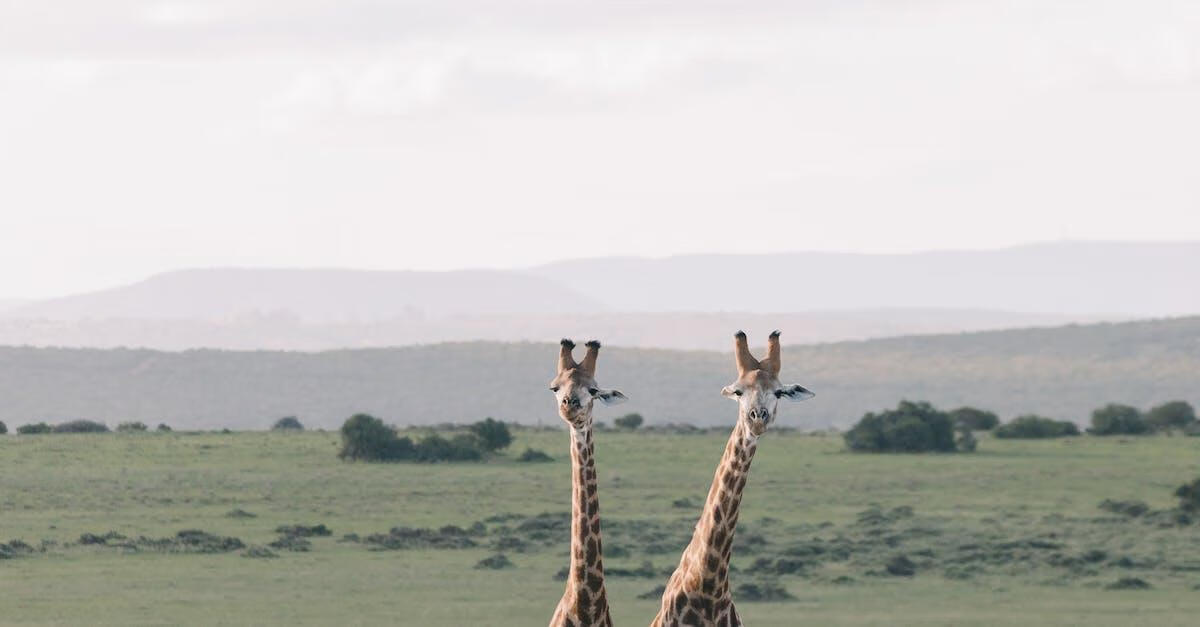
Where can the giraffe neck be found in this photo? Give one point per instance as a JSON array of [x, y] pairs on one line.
[[709, 551], [585, 597]]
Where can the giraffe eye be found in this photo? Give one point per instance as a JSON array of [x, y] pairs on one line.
[[737, 392], [554, 388], [593, 391]]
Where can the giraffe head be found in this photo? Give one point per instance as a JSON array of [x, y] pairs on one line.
[[575, 388], [757, 389]]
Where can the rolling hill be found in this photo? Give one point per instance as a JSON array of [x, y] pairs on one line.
[[318, 295], [685, 302], [1143, 279], [1063, 372], [680, 330]]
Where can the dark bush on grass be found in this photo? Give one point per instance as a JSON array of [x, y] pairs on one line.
[[366, 438], [1133, 509], [493, 435], [1116, 419], [163, 427], [81, 426], [974, 419], [1035, 427], [629, 421], [1173, 415], [126, 427], [35, 428], [966, 441], [1129, 583], [495, 562], [287, 423], [901, 566], [534, 455], [1189, 496], [910, 428], [3, 428], [460, 448], [763, 592]]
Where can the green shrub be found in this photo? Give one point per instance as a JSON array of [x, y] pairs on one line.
[[629, 421], [3, 428], [493, 435], [1173, 415], [1115, 419], [974, 419], [162, 426], [1189, 496], [131, 426], [30, 429], [1034, 427], [534, 455], [287, 423], [81, 426], [1132, 509], [910, 428], [460, 448], [966, 441], [366, 438]]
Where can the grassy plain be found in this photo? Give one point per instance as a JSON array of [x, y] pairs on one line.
[[995, 536]]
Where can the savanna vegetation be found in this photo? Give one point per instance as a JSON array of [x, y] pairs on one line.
[[910, 428], [1034, 427], [287, 423], [1060, 376], [272, 528], [367, 438]]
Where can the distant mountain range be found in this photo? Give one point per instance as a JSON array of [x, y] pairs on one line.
[[1136, 279], [688, 331], [687, 302], [319, 295], [1060, 372]]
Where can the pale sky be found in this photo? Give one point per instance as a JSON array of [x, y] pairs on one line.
[[141, 136]]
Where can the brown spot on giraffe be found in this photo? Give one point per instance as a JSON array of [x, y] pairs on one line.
[[585, 602], [697, 593]]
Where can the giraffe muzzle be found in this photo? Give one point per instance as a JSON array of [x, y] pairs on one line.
[[761, 414]]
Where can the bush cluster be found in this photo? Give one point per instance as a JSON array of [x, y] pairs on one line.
[[126, 427], [1033, 427], [3, 428], [493, 435], [367, 438], [974, 419], [1189, 496], [287, 423], [80, 426], [629, 421], [910, 428], [1172, 415], [534, 455], [1116, 419], [34, 428]]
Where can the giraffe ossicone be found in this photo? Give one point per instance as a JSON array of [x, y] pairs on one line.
[[698, 592], [585, 601]]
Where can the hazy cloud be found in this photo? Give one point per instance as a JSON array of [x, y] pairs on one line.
[[139, 135]]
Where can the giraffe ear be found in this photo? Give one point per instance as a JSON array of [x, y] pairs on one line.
[[794, 393], [609, 397]]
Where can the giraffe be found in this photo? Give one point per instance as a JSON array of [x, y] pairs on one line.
[[697, 593], [585, 602]]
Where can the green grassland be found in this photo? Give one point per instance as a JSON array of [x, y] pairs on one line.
[[1010, 535]]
